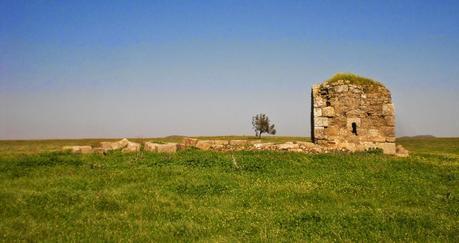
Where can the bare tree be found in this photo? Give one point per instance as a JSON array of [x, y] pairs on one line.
[[261, 124]]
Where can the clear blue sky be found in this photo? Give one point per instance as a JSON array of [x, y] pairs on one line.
[[154, 68]]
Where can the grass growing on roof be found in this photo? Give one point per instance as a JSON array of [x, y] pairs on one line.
[[353, 78]]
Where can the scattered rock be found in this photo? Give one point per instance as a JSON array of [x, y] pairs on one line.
[[181, 146], [131, 147], [238, 145], [307, 145], [351, 147], [401, 151], [238, 142], [106, 145], [287, 146], [115, 145], [71, 148], [219, 142], [166, 148], [78, 149], [298, 150], [204, 144], [100, 150], [190, 142], [150, 147], [85, 149], [254, 141], [388, 148], [263, 145]]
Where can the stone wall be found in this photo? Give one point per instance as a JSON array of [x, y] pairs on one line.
[[127, 146], [353, 115]]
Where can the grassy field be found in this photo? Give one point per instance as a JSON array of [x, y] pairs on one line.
[[241, 196]]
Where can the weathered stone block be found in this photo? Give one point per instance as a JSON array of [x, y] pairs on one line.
[[317, 112], [238, 142], [341, 88], [99, 150], [306, 144], [219, 142], [149, 146], [390, 139], [319, 132], [388, 131], [166, 148], [373, 132], [263, 145], [401, 151], [131, 147], [331, 131], [181, 146], [204, 144], [351, 147], [78, 149], [390, 120], [319, 102], [388, 148], [85, 149], [106, 145], [72, 149], [190, 142], [328, 111], [315, 89], [388, 109], [321, 121], [287, 146], [115, 145]]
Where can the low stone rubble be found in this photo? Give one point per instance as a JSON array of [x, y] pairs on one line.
[[401, 151], [131, 147], [78, 149], [190, 141], [150, 147], [204, 144], [296, 146], [115, 145], [166, 148], [238, 142], [124, 145], [127, 146]]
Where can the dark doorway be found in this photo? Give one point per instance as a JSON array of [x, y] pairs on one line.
[[354, 128]]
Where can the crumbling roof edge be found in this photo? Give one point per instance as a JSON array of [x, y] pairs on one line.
[[353, 79]]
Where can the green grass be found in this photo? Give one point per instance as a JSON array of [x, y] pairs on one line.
[[204, 196], [354, 79]]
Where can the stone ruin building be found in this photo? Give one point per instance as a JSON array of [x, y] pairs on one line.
[[353, 112], [349, 113]]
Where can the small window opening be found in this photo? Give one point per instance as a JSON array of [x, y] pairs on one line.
[[354, 128], [327, 101]]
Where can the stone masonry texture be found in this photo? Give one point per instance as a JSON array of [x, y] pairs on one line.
[[354, 115]]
